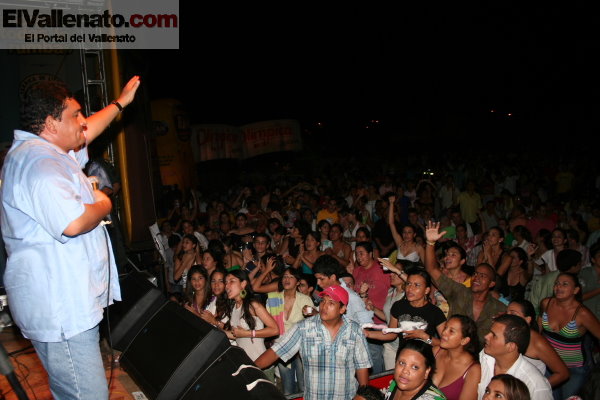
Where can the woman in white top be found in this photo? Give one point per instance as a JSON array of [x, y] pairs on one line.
[[249, 321], [408, 249]]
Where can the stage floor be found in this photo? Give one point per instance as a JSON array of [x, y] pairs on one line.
[[33, 377]]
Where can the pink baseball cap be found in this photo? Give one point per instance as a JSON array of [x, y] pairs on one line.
[[336, 292]]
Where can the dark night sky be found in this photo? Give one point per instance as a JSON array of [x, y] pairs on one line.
[[405, 67]]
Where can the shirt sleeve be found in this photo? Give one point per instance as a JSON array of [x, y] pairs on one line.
[[362, 355], [450, 289], [56, 193], [289, 344]]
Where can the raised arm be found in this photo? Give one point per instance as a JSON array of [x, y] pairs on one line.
[[397, 237], [97, 123], [432, 235]]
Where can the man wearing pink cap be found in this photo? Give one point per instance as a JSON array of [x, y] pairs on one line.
[[333, 349]]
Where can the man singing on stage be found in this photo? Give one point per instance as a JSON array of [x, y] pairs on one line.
[[60, 270]]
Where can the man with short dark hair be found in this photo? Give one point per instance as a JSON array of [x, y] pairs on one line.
[[505, 345], [61, 272], [476, 302], [327, 272], [333, 350]]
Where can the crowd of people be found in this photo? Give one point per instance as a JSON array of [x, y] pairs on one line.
[[473, 283]]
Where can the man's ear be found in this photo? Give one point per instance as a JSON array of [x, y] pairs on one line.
[[512, 346], [342, 310], [50, 125]]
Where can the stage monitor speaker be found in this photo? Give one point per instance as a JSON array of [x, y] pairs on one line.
[[171, 351], [140, 301], [233, 376]]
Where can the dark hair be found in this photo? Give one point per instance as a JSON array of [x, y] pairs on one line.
[[46, 98], [218, 246], [189, 290], [366, 245], [262, 235], [292, 271], [468, 329], [421, 272], [281, 230], [217, 256], [369, 392], [364, 230], [346, 274], [246, 301], [323, 222], [221, 300], [523, 231], [424, 349], [327, 265], [310, 280], [454, 245], [566, 259], [339, 226], [514, 388], [578, 295], [528, 310], [516, 331], [174, 240], [522, 254], [499, 230], [192, 239], [315, 235], [303, 227]]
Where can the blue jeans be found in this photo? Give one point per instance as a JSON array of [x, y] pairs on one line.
[[292, 375], [74, 366], [376, 351], [573, 385]]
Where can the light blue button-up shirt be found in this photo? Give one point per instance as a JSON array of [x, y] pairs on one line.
[[56, 285]]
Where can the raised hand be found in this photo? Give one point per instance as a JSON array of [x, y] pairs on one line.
[[432, 232], [129, 90]]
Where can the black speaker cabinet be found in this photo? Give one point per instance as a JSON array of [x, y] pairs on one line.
[[233, 376], [140, 301], [171, 351]]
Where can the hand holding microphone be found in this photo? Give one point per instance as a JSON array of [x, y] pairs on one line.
[[101, 197]]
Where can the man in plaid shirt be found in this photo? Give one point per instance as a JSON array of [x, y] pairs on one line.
[[333, 350]]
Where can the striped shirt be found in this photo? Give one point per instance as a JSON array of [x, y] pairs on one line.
[[329, 365], [567, 342]]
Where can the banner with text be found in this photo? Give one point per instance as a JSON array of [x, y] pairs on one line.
[[217, 141]]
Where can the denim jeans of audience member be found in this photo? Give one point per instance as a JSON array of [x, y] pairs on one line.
[[376, 351], [292, 375], [75, 366], [573, 385]]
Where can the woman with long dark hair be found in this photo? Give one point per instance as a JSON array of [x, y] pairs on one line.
[[564, 321], [184, 259], [249, 322], [216, 308], [197, 291], [458, 372]]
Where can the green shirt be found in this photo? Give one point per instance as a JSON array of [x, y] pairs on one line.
[[460, 299], [590, 280]]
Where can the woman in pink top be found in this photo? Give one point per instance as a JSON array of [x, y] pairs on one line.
[[457, 371]]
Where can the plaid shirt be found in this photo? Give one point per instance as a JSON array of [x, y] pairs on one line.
[[329, 367]]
